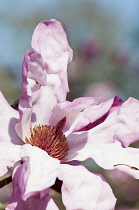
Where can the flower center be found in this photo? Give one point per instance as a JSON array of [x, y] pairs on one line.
[[50, 139]]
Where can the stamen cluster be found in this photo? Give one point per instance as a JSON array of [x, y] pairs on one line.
[[50, 139]]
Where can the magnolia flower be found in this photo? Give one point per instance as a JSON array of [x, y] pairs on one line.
[[49, 133], [38, 134]]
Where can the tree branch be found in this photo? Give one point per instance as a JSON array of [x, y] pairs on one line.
[[5, 181]]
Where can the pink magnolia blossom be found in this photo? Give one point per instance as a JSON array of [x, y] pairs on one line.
[[38, 134], [48, 132]]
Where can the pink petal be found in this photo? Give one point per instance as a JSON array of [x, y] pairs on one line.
[[84, 190], [93, 116], [82, 112], [40, 95], [33, 73], [70, 110], [81, 144], [107, 155], [39, 171], [9, 155], [37, 99], [110, 156], [125, 122], [50, 40], [34, 202], [121, 125], [79, 103], [8, 120]]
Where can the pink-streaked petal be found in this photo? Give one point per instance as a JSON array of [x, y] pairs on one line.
[[121, 125], [50, 40], [84, 190], [39, 171], [96, 112], [116, 103], [35, 202], [82, 112], [93, 116], [8, 119], [9, 155], [72, 111]]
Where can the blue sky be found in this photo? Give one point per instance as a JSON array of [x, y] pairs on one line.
[[11, 43]]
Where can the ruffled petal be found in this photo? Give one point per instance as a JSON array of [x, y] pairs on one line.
[[39, 171], [84, 190], [37, 99], [121, 125], [124, 122], [50, 40], [8, 119], [35, 202], [9, 155]]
